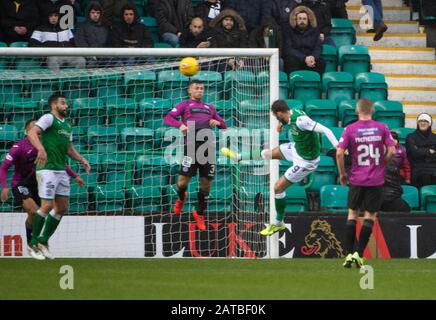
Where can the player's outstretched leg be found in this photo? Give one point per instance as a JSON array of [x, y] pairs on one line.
[[350, 238], [365, 233], [182, 185], [51, 223]]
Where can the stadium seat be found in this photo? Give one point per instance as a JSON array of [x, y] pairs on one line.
[[330, 55], [122, 111], [103, 139], [411, 196], [25, 63], [213, 85], [75, 83], [93, 178], [152, 111], [251, 181], [354, 59], [139, 140], [221, 193], [173, 85], [343, 32], [263, 84], [107, 85], [295, 104], [140, 7], [8, 135], [109, 198], [428, 198], [325, 174], [166, 136], [117, 169], [239, 85], [147, 200], [296, 199], [17, 112], [338, 86], [80, 139], [151, 24], [347, 112], [305, 85], [88, 112], [253, 113], [227, 111], [162, 45], [78, 199], [325, 143], [371, 85], [323, 111], [41, 84], [11, 86], [334, 198], [140, 84], [402, 134], [389, 112]]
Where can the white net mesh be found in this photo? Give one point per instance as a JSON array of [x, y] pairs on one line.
[[117, 112]]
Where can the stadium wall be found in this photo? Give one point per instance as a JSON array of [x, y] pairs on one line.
[[307, 236]]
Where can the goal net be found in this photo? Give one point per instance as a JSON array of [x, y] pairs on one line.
[[117, 106]]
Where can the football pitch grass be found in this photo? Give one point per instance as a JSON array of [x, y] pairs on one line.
[[200, 279]]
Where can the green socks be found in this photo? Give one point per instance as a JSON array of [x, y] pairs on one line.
[[38, 223], [50, 226], [280, 208]]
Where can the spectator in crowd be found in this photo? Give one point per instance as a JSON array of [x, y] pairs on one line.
[[302, 45], [421, 150], [323, 18], [112, 10], [18, 19], [173, 16], [51, 35], [195, 36], [208, 10], [267, 35], [379, 27], [48, 6], [130, 33], [338, 8], [397, 173], [281, 9], [92, 33], [251, 11]]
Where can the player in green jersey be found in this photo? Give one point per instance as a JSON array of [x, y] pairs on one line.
[[52, 137], [303, 152]]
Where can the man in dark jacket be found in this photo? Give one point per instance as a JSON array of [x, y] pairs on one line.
[[112, 10], [195, 36], [92, 33], [51, 35], [47, 6], [281, 9], [323, 19], [338, 8], [251, 11], [421, 150], [173, 16], [18, 19], [302, 45]]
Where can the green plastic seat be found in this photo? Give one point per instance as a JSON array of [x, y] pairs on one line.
[[428, 198], [253, 113], [325, 143], [343, 32], [19, 111], [411, 196], [93, 178], [295, 104], [78, 199], [88, 112], [140, 84], [330, 55], [152, 111], [347, 112], [41, 83], [354, 59], [251, 179], [323, 111], [296, 199], [137, 139], [213, 85], [239, 85], [152, 26], [305, 85], [173, 85], [227, 111], [25, 63], [338, 86], [122, 111], [11, 85], [148, 200], [389, 112], [8, 135], [263, 84], [334, 198], [103, 139], [107, 85], [117, 169], [162, 45], [402, 134], [221, 193], [325, 174], [75, 83], [371, 85], [247, 141], [109, 198]]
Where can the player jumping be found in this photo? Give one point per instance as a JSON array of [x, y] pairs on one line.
[[365, 141], [203, 116], [53, 146], [303, 152]]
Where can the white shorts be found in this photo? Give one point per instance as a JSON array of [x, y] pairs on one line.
[[301, 168], [52, 183]]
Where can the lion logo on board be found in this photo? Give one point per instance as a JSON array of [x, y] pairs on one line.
[[322, 241]]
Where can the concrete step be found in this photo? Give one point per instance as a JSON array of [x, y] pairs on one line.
[[389, 3], [404, 67], [389, 13], [393, 26], [416, 107], [393, 40], [412, 93], [401, 53], [416, 81]]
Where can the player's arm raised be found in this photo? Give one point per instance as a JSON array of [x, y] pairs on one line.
[[72, 152], [33, 135]]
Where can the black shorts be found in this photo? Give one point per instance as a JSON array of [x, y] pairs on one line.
[[23, 192], [365, 198], [190, 164]]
